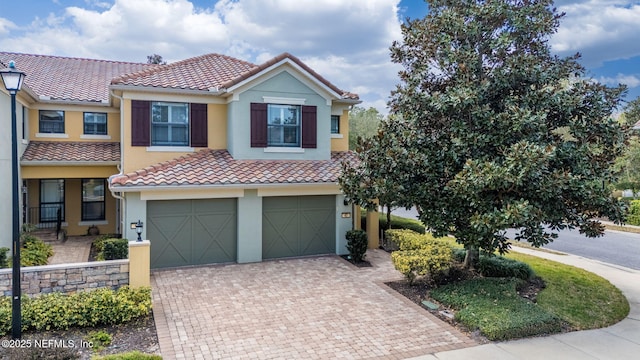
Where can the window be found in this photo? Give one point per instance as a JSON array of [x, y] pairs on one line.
[[283, 125], [335, 124], [93, 199], [95, 123], [51, 199], [51, 122], [169, 124]]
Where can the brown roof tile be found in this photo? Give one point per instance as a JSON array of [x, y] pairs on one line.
[[71, 79], [44, 151], [198, 73], [217, 167]]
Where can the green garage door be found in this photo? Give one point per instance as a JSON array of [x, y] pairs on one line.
[[298, 226], [191, 232]]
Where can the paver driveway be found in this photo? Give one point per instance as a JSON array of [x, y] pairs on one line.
[[311, 308]]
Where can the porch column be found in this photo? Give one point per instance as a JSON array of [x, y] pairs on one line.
[[373, 228]]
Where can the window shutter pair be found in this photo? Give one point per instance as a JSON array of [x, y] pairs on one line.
[[259, 126], [141, 124]]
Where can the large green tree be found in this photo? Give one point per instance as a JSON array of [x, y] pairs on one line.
[[363, 123], [499, 133], [627, 166]]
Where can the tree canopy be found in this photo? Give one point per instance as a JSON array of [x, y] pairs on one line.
[[496, 132], [363, 123]]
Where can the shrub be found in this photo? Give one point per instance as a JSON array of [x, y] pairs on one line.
[[4, 260], [419, 254], [90, 308], [633, 213], [34, 252], [99, 339], [498, 266], [397, 222], [133, 355], [114, 249], [357, 244]]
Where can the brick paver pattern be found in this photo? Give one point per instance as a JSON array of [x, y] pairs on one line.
[[310, 308]]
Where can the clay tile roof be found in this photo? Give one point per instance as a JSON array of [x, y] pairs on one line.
[[70, 79], [277, 59], [198, 73], [217, 167], [54, 151]]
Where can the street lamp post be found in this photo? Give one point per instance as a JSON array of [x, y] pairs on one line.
[[12, 79]]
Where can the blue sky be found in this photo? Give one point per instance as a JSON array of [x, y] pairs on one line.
[[346, 41]]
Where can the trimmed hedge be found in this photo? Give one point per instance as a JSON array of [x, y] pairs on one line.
[[633, 213], [419, 254], [89, 308], [357, 244], [115, 249], [498, 266], [397, 222]]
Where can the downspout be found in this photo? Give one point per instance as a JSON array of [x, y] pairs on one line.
[[114, 193]]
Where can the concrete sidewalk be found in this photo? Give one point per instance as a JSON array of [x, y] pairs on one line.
[[620, 341]]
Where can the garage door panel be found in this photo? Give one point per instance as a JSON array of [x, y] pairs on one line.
[[212, 233], [192, 232], [298, 226], [281, 227]]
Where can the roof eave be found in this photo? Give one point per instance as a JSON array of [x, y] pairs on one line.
[[139, 188], [151, 89], [277, 65], [68, 163]]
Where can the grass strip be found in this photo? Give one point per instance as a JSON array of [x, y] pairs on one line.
[[581, 298]]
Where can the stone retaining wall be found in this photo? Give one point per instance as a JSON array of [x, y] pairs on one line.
[[68, 278]]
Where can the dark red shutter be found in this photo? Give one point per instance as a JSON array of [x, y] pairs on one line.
[[309, 127], [199, 125], [140, 123], [258, 125]]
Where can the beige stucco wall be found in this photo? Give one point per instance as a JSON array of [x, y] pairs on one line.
[[140, 157], [62, 172], [342, 144], [73, 123]]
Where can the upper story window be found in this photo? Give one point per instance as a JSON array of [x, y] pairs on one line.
[[335, 124], [51, 122], [95, 123], [283, 125], [169, 124], [275, 125]]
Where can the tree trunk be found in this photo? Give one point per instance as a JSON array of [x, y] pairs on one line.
[[472, 257], [388, 218]]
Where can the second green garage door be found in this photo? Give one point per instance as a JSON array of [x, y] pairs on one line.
[[192, 232], [298, 226]]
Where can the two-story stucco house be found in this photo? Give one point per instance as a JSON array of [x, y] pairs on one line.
[[221, 159]]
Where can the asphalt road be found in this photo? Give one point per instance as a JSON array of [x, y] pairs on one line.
[[615, 247]]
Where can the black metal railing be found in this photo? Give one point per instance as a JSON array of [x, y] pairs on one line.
[[46, 216]]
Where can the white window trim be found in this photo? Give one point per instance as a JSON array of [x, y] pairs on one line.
[[95, 222], [337, 136], [284, 149], [170, 149], [96, 137], [52, 135], [283, 100]]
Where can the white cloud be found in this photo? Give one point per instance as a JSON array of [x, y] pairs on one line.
[[631, 81], [6, 26], [601, 30], [347, 42]]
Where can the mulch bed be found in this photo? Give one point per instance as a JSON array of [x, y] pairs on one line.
[[363, 263]]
